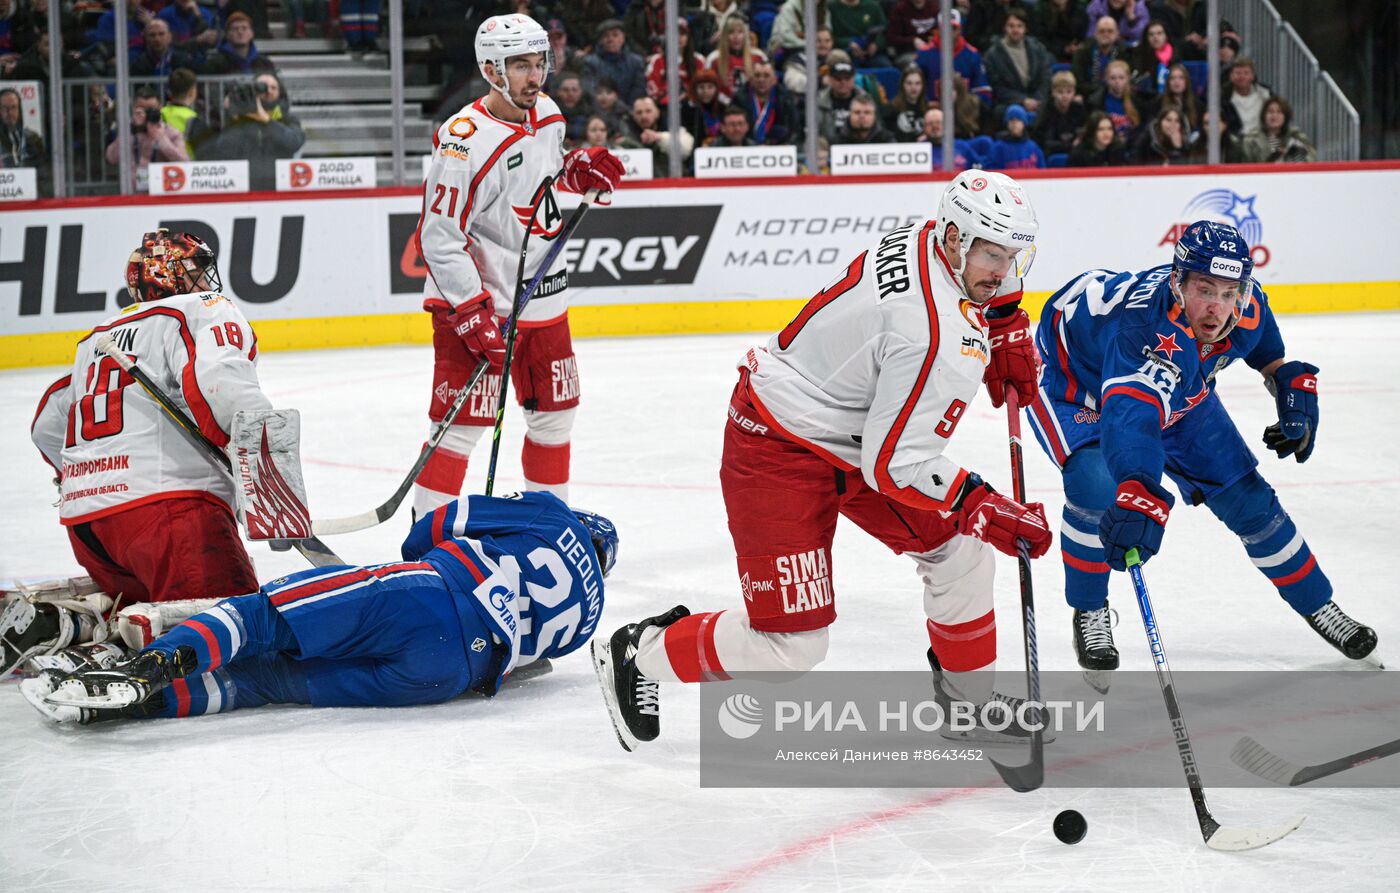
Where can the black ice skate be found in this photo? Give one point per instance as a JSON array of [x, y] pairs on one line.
[[998, 710], [125, 684], [1093, 639], [1343, 633], [37, 689], [631, 698]]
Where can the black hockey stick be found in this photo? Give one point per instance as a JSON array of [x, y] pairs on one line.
[[1032, 774], [312, 549], [523, 298], [1253, 757], [1217, 837]]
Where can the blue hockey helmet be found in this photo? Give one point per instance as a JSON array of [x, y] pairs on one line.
[[1215, 249], [604, 536]]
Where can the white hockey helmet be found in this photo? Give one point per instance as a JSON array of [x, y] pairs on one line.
[[989, 205], [503, 36]]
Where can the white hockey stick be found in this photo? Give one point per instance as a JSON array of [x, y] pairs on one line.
[[1254, 757]]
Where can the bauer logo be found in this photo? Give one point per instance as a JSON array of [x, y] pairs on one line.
[[740, 716], [1224, 206]]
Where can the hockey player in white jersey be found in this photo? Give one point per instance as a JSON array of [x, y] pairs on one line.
[[148, 516], [848, 411], [485, 189]]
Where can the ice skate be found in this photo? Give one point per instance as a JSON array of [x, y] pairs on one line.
[[1341, 632], [999, 709], [631, 698], [125, 684]]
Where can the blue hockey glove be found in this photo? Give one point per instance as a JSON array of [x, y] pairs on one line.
[[1137, 519], [1294, 387]]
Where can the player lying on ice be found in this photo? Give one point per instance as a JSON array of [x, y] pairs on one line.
[[848, 411], [487, 586], [1128, 394]]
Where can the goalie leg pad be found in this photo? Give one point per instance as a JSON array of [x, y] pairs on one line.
[[29, 629]]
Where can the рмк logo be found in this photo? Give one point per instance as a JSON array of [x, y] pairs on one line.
[[741, 716], [1224, 206]]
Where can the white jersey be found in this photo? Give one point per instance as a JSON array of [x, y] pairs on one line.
[[481, 189], [112, 444], [877, 370]]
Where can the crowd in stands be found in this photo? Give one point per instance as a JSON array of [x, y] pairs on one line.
[[1037, 82]]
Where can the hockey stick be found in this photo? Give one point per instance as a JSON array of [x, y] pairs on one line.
[[1216, 836], [523, 298], [1253, 757], [1031, 775], [311, 548]]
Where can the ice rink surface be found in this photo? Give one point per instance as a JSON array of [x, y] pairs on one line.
[[530, 791]]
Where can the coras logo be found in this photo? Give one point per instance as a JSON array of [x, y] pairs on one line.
[[301, 174], [1224, 206], [740, 716], [172, 178], [1226, 268]]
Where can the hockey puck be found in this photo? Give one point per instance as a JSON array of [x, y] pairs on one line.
[[1070, 827]]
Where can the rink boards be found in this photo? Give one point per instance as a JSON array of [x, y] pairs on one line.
[[342, 269]]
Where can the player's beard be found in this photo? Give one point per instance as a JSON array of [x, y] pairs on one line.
[[525, 99]]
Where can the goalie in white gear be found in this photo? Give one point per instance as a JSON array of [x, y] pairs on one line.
[[848, 411], [491, 184]]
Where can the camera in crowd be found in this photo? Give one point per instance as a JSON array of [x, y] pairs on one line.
[[246, 98]]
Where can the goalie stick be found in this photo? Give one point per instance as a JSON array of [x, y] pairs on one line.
[[1255, 758], [311, 548], [1217, 836]]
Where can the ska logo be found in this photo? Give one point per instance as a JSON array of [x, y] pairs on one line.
[[174, 179], [548, 221], [1224, 206]]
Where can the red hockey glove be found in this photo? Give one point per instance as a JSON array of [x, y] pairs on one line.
[[1000, 521], [590, 168], [1014, 359], [475, 324]]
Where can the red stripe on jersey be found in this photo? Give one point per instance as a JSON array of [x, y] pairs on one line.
[[216, 654], [456, 551], [1062, 353], [317, 587], [62, 384], [181, 688], [821, 299], [1128, 391], [548, 120], [1047, 424], [439, 525], [1088, 567], [542, 323], [886, 483], [1297, 575]]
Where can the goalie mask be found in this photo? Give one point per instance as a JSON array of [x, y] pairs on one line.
[[168, 264], [604, 536]]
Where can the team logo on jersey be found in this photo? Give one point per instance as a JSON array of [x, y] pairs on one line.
[[478, 645], [973, 314], [462, 127], [548, 221], [1224, 206], [1167, 344]]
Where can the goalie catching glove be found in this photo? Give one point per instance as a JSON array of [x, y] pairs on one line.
[[591, 167], [999, 521], [475, 324]]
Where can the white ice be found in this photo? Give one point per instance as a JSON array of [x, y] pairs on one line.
[[530, 790]]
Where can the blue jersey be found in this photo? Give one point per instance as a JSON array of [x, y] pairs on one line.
[[527, 565], [1118, 345]]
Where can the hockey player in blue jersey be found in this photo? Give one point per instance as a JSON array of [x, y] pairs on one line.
[[487, 585], [1128, 393]]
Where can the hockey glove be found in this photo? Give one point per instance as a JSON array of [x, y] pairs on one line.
[[475, 324], [1136, 520], [1014, 359], [995, 519], [593, 167], [1294, 387]]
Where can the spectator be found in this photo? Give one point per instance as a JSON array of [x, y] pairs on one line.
[[607, 104], [574, 105], [910, 29], [582, 18], [105, 34], [179, 112], [1099, 145], [795, 63], [1018, 66], [640, 131], [733, 130], [1164, 141], [1231, 148], [964, 156], [1181, 95], [1228, 52], [320, 14], [255, 10], [597, 132], [1013, 149], [966, 62], [159, 57], [690, 63], [1186, 25], [1277, 140], [613, 59], [1095, 55], [734, 58], [359, 25], [251, 133], [858, 27], [1247, 95], [904, 115], [1153, 59], [192, 27], [151, 138], [703, 109], [1061, 26], [1062, 118], [862, 124], [274, 98], [563, 58], [788, 35], [34, 64], [983, 20], [645, 24], [967, 110], [237, 54], [1115, 97], [1129, 15], [19, 146], [834, 100], [773, 119], [711, 20]]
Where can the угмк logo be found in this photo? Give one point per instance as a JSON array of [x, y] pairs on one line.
[[1224, 206]]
